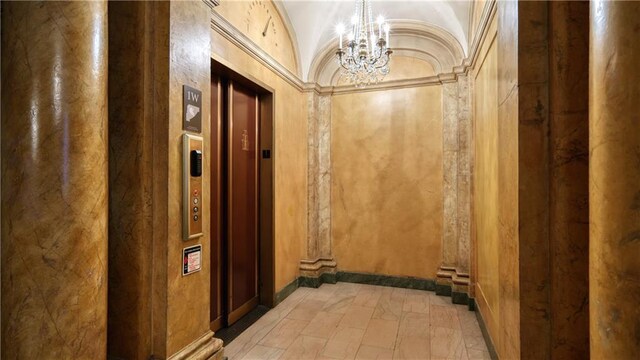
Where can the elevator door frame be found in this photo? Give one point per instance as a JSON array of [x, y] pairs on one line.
[[266, 211]]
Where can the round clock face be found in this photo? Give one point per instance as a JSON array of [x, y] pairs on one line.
[[260, 22]]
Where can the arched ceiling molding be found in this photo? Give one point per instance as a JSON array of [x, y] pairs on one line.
[[291, 32], [413, 38]]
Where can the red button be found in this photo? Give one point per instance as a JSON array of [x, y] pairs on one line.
[[195, 192]]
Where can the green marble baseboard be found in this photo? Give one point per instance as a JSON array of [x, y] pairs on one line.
[[387, 280], [405, 282], [286, 291], [315, 282], [459, 298], [443, 290], [485, 335]]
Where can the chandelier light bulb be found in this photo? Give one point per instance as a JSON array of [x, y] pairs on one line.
[[386, 31], [340, 30]]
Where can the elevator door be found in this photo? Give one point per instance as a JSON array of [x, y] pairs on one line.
[[242, 208]]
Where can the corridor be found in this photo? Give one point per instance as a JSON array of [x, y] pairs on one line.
[[379, 179]]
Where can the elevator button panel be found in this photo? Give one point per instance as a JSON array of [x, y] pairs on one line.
[[192, 167]]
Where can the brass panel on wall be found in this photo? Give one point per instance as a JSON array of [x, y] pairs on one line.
[[192, 188]]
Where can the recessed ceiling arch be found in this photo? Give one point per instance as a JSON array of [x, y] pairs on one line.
[[314, 22]]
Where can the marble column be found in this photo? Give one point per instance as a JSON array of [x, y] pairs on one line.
[[614, 180], [54, 180], [453, 275], [319, 259]]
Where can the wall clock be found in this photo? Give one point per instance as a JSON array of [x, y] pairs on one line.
[[260, 23]]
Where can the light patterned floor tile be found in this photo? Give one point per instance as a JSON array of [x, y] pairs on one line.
[[412, 348], [357, 317], [260, 352], [284, 334], [307, 309], [304, 348], [416, 301], [371, 352], [339, 349], [444, 316], [323, 325], [447, 344], [414, 324], [381, 333]]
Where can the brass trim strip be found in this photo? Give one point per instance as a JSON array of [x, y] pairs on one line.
[[219, 195], [257, 193], [229, 198], [242, 310]]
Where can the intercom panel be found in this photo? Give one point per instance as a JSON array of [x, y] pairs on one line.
[[192, 162]]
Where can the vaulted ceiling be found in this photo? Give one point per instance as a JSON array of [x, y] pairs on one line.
[[314, 22]]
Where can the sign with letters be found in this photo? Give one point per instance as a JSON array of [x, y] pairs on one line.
[[191, 109], [191, 259]]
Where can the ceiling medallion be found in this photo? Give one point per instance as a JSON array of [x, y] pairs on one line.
[[366, 58]]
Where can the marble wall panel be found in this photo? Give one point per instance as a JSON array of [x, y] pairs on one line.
[[130, 184], [533, 179], [387, 181], [569, 182], [486, 190], [189, 64], [54, 180], [614, 180]]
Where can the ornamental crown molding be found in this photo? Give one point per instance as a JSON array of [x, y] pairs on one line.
[[222, 27], [211, 3]]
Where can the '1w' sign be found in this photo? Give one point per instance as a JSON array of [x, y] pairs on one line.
[[191, 109]]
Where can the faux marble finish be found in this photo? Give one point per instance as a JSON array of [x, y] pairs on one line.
[[54, 180], [318, 256], [172, 311], [569, 172], [131, 229], [189, 63], [614, 180], [533, 201], [290, 154], [507, 336], [386, 193], [456, 187]]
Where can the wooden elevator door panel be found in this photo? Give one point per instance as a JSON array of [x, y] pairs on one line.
[[242, 201]]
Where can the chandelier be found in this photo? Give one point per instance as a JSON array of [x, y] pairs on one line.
[[366, 58]]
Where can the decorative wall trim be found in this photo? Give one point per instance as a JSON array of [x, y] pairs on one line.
[[489, 11], [221, 26], [317, 267], [211, 3], [205, 348], [229, 32]]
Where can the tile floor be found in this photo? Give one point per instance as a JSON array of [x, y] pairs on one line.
[[355, 321]]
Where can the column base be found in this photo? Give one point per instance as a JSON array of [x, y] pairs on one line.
[[454, 283], [314, 273], [205, 348]]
